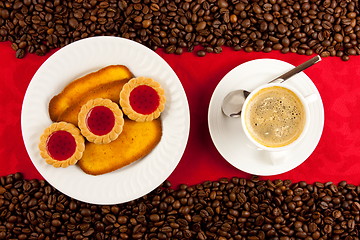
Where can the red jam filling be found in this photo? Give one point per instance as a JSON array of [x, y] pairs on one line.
[[144, 99], [61, 145], [100, 120]]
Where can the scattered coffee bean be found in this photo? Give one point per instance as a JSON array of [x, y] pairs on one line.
[[20, 53], [233, 208], [329, 28], [201, 53]]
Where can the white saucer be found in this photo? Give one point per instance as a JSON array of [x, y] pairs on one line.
[[229, 137]]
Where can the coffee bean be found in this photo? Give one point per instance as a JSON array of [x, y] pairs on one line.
[[201, 53], [73, 23], [179, 51], [222, 4], [268, 17], [233, 18], [85, 212], [20, 53], [179, 25], [170, 49], [351, 51], [110, 218], [246, 23], [338, 37], [2, 190], [282, 28], [146, 23], [276, 208], [325, 54], [89, 232], [326, 25], [356, 206], [200, 26], [4, 13], [56, 223]]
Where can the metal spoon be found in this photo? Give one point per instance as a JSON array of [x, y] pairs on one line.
[[233, 101]]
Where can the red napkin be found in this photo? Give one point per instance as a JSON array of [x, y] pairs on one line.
[[336, 157]]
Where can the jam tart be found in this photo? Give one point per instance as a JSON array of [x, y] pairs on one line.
[[100, 121], [142, 99], [61, 144]]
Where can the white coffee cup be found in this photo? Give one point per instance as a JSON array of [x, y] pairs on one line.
[[245, 111]]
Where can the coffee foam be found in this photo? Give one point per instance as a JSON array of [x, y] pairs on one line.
[[275, 116]]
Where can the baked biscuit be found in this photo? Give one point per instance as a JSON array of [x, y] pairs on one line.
[[142, 99], [100, 121], [61, 144]]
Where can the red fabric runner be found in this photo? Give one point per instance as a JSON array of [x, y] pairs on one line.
[[336, 158]]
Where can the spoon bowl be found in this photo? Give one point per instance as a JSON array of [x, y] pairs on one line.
[[233, 102]]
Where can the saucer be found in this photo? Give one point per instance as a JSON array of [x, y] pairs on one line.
[[229, 137]]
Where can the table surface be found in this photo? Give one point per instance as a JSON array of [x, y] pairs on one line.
[[336, 158]]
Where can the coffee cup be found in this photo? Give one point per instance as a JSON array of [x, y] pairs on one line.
[[275, 117]]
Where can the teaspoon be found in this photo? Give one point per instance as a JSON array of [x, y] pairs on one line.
[[234, 101]]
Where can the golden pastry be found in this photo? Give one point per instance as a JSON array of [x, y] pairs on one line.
[[61, 144], [136, 141], [142, 99], [82, 87], [108, 90], [100, 121]]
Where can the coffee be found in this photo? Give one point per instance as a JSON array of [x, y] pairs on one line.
[[275, 116]]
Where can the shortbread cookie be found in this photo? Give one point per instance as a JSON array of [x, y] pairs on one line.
[[61, 144], [142, 99], [100, 121]]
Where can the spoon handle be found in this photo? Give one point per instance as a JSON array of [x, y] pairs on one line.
[[297, 69]]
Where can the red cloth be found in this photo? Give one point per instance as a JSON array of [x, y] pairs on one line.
[[336, 158]]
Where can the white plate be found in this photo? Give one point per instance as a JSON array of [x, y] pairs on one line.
[[229, 137], [76, 60]]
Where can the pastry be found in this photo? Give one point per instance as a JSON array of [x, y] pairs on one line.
[[100, 121], [136, 141], [82, 87], [108, 90], [61, 144], [142, 99]]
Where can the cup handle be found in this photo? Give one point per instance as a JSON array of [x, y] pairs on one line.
[[276, 158], [311, 98], [273, 158]]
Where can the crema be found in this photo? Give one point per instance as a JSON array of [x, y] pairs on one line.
[[275, 117]]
